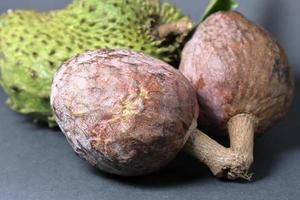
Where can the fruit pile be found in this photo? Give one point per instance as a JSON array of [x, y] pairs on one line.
[[34, 45], [102, 70]]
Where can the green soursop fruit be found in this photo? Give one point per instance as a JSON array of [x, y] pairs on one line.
[[34, 44]]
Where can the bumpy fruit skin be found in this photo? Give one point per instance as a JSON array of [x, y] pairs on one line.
[[236, 68], [124, 112], [33, 45]]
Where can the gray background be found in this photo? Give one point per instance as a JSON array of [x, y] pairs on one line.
[[37, 164]]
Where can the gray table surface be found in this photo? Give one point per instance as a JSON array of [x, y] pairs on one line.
[[37, 163]]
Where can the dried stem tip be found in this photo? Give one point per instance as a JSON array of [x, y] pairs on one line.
[[234, 162]]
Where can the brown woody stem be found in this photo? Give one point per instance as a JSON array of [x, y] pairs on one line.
[[234, 162], [180, 27]]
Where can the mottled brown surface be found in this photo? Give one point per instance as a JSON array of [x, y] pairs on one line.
[[237, 68], [125, 112]]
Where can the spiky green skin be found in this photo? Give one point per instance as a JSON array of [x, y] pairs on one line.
[[33, 45]]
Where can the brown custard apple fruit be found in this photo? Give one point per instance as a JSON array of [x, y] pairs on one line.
[[124, 112], [244, 86]]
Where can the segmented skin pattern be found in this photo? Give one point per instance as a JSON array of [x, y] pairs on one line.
[[34, 44], [125, 112], [236, 68]]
